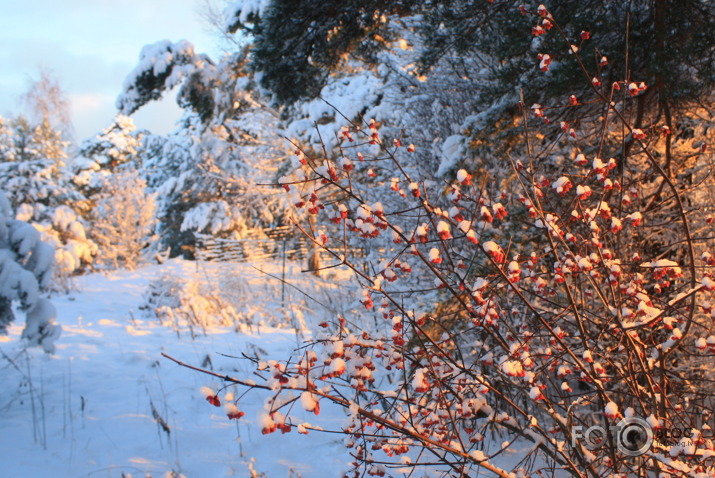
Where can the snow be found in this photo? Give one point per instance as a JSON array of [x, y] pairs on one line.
[[243, 10], [708, 283], [348, 95], [100, 399], [562, 184], [171, 62], [453, 150], [535, 393], [611, 410]]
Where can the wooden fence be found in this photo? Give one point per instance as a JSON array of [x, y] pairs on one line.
[[256, 245], [280, 243]]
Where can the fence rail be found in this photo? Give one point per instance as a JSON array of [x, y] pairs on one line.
[[282, 243], [257, 245]]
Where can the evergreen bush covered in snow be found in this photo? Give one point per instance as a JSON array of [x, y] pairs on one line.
[[33, 176], [25, 269]]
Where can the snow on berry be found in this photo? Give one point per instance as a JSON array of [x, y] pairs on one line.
[[414, 189], [337, 367], [611, 410], [443, 230], [708, 258], [346, 164], [581, 159], [419, 381], [536, 394], [494, 251], [378, 209], [512, 368], [584, 264], [545, 61], [537, 30], [701, 343], [309, 402], [707, 283], [421, 233], [210, 396], [664, 268], [456, 214], [583, 192], [434, 256], [364, 212], [616, 225], [486, 215], [638, 134], [562, 185], [514, 271], [366, 300], [636, 88], [232, 411], [635, 218], [267, 424], [479, 284], [464, 177], [499, 210], [598, 167]]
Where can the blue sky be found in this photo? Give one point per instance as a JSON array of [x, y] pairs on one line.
[[90, 46]]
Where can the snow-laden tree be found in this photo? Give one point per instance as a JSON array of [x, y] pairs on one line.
[[213, 174], [472, 58], [123, 220], [7, 141], [34, 156], [101, 155], [39, 189], [25, 269], [64, 229], [33, 175]]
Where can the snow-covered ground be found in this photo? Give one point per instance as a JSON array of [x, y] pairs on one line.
[[107, 404]]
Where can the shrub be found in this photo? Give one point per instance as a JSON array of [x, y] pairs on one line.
[[573, 304]]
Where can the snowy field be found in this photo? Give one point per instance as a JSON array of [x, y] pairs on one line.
[[107, 404]]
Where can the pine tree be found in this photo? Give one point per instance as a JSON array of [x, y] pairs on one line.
[[296, 46], [25, 269], [33, 152], [99, 157]]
